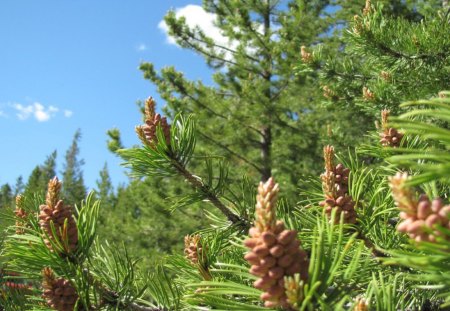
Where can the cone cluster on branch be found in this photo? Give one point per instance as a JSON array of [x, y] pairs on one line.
[[335, 186], [196, 253], [389, 137], [147, 132], [58, 293], [419, 217], [306, 56], [21, 215], [368, 94], [55, 212], [274, 251]]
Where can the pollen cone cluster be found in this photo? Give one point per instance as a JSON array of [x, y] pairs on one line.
[[193, 248], [21, 215], [274, 251], [389, 137], [419, 217], [58, 293], [335, 186], [54, 211], [306, 56], [196, 253], [147, 132]]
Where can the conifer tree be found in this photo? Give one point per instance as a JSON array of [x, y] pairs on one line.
[[105, 190], [41, 174], [74, 189], [256, 105]]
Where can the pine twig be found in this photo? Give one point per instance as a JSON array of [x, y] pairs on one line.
[[369, 244], [210, 195]]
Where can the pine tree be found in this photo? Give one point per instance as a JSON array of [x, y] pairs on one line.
[[41, 174], [105, 190], [74, 189], [256, 105], [6, 196], [19, 186]]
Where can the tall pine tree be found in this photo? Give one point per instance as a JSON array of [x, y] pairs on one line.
[[257, 106], [74, 189]]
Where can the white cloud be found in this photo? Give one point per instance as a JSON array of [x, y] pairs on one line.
[[141, 47], [196, 16], [2, 113], [35, 110], [68, 113]]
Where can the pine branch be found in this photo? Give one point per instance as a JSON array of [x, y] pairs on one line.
[[237, 155], [208, 193]]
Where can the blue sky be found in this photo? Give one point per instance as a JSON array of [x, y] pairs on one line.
[[74, 64]]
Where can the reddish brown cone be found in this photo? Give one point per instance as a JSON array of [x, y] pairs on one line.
[[58, 293], [274, 251], [54, 211]]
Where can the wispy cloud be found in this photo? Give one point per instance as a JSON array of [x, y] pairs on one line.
[[38, 111], [141, 47], [68, 113]]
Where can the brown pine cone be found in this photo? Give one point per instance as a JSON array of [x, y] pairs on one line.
[[147, 132], [54, 211], [274, 251], [58, 293]]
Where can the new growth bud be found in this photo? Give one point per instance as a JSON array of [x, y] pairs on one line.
[[58, 293], [153, 120], [21, 215], [56, 213], [368, 8], [275, 251], [419, 217]]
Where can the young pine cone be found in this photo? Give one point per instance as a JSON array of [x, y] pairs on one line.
[[389, 137], [54, 211], [274, 251], [335, 185], [147, 132], [58, 293], [419, 218]]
